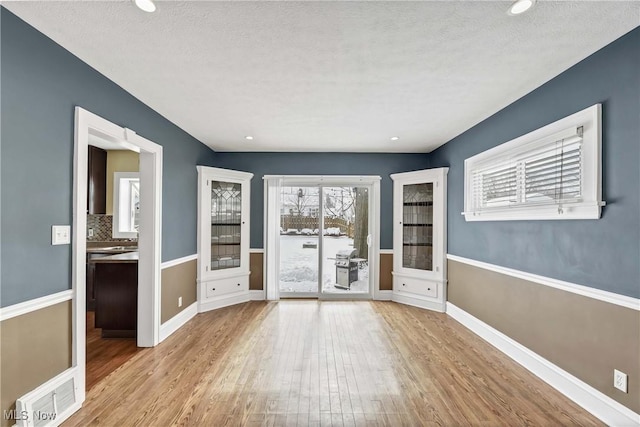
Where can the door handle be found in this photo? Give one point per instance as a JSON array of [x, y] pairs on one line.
[[368, 239]]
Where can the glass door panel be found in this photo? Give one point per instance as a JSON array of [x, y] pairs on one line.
[[226, 224], [345, 247], [299, 230], [417, 226]]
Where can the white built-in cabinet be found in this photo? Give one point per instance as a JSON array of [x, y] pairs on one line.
[[223, 237], [420, 238]]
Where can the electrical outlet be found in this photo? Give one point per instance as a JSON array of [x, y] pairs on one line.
[[179, 301], [620, 380], [91, 232]]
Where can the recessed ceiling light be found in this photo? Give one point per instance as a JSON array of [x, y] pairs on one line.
[[521, 6], [394, 138], [146, 5], [248, 137]]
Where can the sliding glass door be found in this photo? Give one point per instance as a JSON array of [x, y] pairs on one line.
[[345, 247], [324, 241], [299, 241]]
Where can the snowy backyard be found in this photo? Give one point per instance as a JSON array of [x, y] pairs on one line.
[[299, 265]]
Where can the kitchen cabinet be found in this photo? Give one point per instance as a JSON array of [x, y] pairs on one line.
[[97, 181], [420, 238], [94, 253], [91, 278], [116, 294], [223, 237]]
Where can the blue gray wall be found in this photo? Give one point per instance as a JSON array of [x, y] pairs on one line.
[[604, 253], [261, 164], [41, 84]]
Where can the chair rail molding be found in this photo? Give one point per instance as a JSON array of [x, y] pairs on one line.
[[606, 296], [35, 304]]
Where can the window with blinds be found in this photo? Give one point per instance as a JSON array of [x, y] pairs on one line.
[[542, 175]]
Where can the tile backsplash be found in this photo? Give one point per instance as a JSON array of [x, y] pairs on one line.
[[102, 227]]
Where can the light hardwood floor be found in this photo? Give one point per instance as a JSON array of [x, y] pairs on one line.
[[324, 363], [105, 355]]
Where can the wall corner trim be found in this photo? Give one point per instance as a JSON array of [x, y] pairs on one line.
[[595, 402], [606, 296], [256, 295], [177, 261], [34, 304], [178, 321]]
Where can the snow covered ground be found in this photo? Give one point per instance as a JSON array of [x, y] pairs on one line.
[[299, 266]]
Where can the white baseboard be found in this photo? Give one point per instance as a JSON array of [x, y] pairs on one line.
[[177, 321], [224, 301], [256, 295], [418, 302], [383, 295], [597, 403]]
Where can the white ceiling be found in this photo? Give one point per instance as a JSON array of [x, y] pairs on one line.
[[329, 76]]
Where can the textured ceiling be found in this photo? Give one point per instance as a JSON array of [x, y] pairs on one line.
[[329, 76]]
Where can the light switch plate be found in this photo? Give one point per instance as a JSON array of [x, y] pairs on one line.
[[60, 234]]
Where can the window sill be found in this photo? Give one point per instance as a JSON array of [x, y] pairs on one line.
[[550, 212]]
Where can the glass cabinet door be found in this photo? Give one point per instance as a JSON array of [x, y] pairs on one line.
[[417, 226], [226, 224]]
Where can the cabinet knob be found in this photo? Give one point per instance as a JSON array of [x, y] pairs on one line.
[[428, 289], [213, 289], [238, 284], [403, 284]]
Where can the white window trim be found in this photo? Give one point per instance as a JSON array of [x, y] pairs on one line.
[[591, 202]]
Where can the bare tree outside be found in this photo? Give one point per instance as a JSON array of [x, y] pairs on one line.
[[340, 203], [361, 222], [301, 201]]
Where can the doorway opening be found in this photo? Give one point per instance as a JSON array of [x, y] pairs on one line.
[[113, 219], [326, 244], [140, 209]]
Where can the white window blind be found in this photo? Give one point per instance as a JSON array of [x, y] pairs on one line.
[[542, 172], [497, 187], [554, 176]]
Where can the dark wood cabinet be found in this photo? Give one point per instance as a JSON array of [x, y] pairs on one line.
[[116, 298], [91, 273], [97, 181]]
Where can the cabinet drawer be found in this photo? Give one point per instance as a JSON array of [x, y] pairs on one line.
[[216, 288], [415, 286]]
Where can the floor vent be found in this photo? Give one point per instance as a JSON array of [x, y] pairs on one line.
[[51, 403]]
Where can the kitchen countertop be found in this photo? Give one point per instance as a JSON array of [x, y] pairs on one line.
[[113, 249], [127, 257]]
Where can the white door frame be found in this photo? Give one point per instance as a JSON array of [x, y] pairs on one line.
[[272, 223], [149, 241]]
